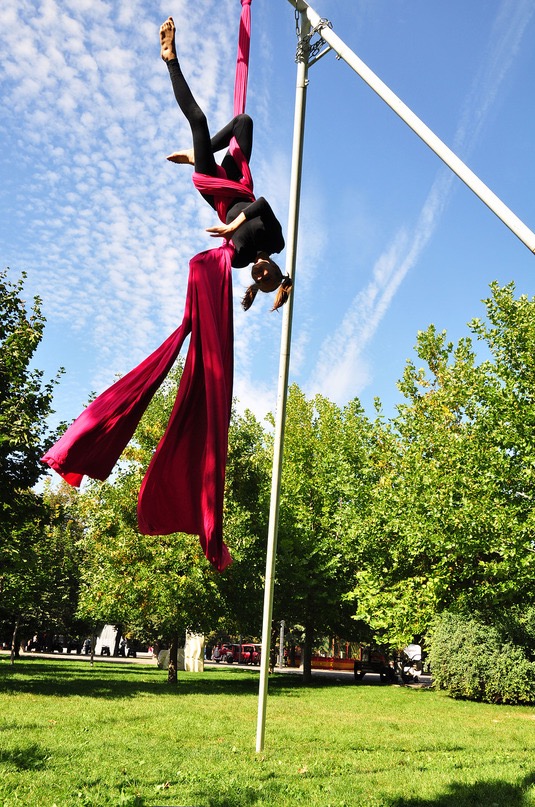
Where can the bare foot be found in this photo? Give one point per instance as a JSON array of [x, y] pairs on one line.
[[167, 40], [185, 156]]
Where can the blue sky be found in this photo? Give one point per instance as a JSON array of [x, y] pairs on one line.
[[390, 240]]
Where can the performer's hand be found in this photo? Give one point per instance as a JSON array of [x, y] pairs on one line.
[[226, 230], [221, 230]]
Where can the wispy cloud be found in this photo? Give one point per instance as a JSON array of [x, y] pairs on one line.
[[342, 369]]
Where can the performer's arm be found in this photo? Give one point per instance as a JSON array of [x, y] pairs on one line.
[[227, 230], [260, 207]]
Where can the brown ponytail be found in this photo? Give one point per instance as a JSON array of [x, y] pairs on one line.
[[249, 296], [283, 292]]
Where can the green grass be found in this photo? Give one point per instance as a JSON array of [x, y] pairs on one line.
[[116, 735]]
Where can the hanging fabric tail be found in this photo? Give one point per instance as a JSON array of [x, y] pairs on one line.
[[184, 485], [94, 442]]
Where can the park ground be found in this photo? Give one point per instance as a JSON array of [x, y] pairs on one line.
[[117, 734]]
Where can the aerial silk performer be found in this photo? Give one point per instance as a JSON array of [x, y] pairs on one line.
[[183, 488]]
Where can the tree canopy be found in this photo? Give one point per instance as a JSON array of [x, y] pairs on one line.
[[450, 522], [25, 400], [25, 404]]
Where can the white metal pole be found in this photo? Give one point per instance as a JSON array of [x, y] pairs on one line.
[[481, 190], [291, 251]]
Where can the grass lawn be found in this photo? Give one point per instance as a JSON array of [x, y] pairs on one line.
[[116, 735]]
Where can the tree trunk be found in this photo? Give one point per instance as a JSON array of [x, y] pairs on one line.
[[172, 672], [307, 655], [14, 642]]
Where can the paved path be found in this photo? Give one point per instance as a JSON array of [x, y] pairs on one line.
[[343, 676]]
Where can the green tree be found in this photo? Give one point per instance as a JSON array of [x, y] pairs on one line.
[[40, 586], [247, 490], [25, 404], [25, 401], [450, 521], [325, 481]]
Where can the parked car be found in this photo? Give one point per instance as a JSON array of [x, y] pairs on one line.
[[251, 652], [372, 660], [244, 654]]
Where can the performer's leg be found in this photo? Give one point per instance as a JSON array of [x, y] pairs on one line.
[[203, 155], [240, 127]]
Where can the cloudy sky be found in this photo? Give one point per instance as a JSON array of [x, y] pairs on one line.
[[390, 240]]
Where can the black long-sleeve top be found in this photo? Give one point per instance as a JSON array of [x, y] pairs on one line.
[[261, 232]]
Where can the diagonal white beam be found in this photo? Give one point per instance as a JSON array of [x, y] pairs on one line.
[[481, 190]]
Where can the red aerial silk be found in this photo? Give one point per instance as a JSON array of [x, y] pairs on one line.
[[240, 87], [182, 490]]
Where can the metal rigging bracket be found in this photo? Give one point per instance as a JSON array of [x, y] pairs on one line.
[[306, 49]]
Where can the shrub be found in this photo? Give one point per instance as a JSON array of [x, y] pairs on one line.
[[511, 678], [517, 626], [473, 660]]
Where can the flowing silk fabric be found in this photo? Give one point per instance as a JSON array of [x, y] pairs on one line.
[[94, 442], [183, 487], [222, 189]]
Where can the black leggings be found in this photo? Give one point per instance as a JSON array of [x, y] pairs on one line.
[[204, 147]]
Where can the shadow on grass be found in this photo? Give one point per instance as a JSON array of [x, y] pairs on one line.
[[501, 794], [108, 680], [25, 758]]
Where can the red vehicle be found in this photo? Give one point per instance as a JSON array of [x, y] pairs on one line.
[[242, 654], [252, 652]]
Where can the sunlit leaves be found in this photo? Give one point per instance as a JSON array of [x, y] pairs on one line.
[[451, 519]]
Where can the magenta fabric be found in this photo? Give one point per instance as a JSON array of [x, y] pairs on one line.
[[94, 442], [240, 87], [242, 59], [222, 189], [184, 485]]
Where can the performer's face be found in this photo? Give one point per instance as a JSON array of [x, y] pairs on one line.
[[267, 274]]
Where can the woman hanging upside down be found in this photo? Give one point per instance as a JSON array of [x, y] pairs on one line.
[[252, 227]]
